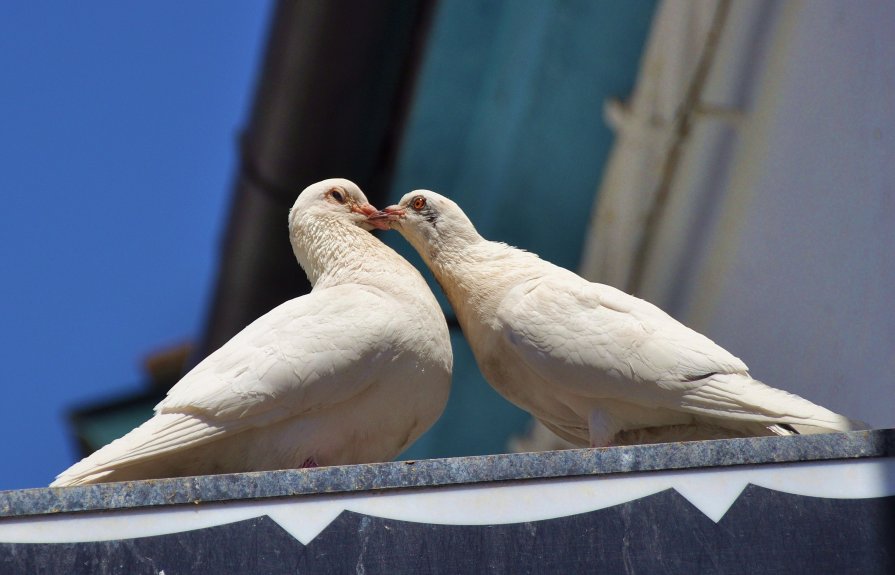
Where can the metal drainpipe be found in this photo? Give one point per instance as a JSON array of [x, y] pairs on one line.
[[332, 94]]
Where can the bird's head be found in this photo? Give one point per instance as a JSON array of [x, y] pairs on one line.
[[429, 221], [336, 198]]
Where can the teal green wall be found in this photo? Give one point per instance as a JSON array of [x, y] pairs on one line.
[[508, 121]]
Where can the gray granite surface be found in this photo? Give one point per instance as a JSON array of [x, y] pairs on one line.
[[447, 472]]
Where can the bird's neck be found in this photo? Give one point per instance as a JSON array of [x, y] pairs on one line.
[[334, 252], [475, 277]]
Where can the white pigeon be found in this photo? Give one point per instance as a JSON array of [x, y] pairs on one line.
[[592, 363], [352, 372]]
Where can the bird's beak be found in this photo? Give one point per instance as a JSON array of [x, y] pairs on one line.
[[365, 209], [383, 218]]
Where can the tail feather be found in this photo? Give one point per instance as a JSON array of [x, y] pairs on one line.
[[806, 429], [738, 397], [164, 434]]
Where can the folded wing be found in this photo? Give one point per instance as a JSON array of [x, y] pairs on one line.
[[305, 355], [601, 343]]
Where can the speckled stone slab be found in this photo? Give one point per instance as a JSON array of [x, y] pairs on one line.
[[449, 472]]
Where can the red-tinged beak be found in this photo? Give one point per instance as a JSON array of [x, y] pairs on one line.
[[383, 218], [393, 212], [365, 209]]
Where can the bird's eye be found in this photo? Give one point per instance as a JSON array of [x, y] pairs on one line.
[[338, 194], [418, 203]]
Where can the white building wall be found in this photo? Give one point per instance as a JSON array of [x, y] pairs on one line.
[[803, 284], [778, 235]]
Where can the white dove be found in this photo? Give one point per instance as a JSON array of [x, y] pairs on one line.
[[592, 363], [352, 372]]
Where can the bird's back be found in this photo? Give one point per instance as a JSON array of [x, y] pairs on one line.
[[353, 372], [565, 349]]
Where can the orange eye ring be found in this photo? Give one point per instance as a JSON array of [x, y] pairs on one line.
[[418, 203]]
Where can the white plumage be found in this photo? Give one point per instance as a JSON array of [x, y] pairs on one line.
[[595, 365], [352, 372]]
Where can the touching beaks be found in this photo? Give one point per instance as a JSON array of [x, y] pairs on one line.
[[383, 218]]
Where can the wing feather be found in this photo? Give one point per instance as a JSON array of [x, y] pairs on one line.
[[309, 353], [599, 342]]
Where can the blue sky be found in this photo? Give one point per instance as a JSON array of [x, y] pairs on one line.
[[118, 134]]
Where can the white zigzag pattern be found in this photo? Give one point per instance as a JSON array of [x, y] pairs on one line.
[[711, 491]]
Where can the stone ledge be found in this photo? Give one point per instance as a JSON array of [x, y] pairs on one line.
[[448, 472]]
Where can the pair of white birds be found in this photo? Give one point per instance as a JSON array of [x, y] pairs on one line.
[[359, 368]]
